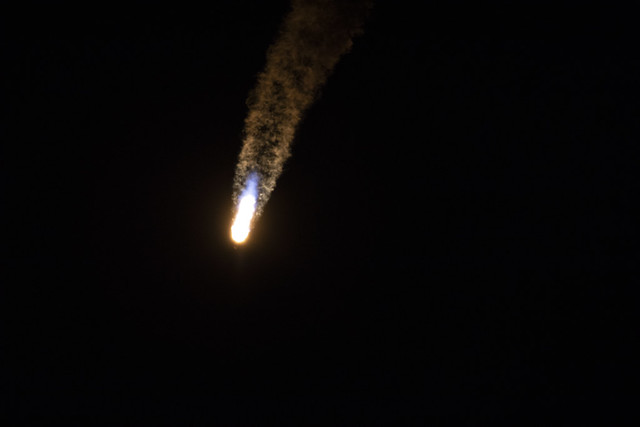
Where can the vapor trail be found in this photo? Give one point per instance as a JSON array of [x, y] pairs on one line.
[[313, 37]]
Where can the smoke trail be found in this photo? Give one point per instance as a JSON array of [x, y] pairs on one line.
[[313, 36]]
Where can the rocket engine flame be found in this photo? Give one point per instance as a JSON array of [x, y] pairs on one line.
[[242, 223], [313, 37], [246, 210]]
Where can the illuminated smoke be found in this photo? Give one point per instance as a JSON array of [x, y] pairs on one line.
[[312, 38]]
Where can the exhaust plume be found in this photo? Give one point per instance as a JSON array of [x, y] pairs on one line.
[[313, 37]]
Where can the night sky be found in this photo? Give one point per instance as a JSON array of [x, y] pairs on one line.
[[455, 236]]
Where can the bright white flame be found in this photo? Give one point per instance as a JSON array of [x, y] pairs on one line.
[[246, 209], [242, 223]]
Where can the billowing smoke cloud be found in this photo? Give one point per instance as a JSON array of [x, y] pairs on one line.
[[313, 37]]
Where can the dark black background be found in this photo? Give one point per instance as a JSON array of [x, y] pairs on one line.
[[454, 238]]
